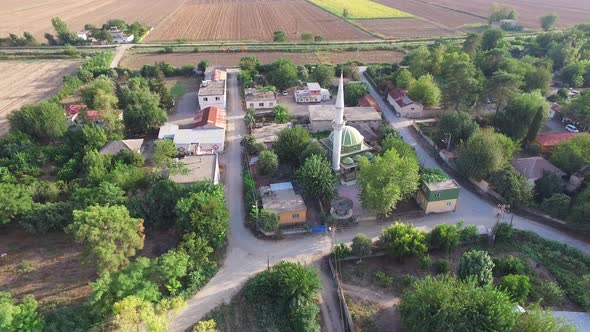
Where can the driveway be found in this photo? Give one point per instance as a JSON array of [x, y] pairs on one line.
[[247, 255]]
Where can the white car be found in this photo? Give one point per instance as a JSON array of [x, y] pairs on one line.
[[285, 93], [571, 128]]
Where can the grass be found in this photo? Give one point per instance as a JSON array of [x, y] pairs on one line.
[[177, 90], [359, 9]]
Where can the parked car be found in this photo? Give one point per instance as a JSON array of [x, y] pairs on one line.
[[571, 128], [285, 93]]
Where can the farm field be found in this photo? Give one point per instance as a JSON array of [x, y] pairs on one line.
[[35, 16], [404, 28], [136, 61], [358, 9], [29, 82], [252, 20]]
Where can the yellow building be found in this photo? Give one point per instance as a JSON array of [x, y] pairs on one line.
[[281, 199], [438, 197]]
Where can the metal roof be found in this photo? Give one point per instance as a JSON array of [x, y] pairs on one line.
[[281, 186]]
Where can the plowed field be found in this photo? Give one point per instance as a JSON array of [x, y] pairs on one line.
[[252, 20], [405, 28], [136, 61], [35, 15], [28, 82]]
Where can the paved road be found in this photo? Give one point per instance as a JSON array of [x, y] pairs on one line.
[[247, 255]]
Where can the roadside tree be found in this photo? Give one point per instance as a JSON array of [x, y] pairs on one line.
[[426, 91], [403, 240], [484, 153], [316, 178], [362, 246]]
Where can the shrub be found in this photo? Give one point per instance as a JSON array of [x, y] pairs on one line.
[[517, 286], [268, 162], [547, 292], [279, 36], [445, 237], [361, 246], [441, 266], [504, 232], [383, 279], [342, 250], [24, 267], [509, 265], [469, 234], [476, 264], [401, 240], [268, 221], [425, 262], [537, 319], [557, 205]]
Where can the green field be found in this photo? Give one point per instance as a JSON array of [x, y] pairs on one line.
[[359, 9]]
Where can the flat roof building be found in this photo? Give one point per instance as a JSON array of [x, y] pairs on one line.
[[281, 199]]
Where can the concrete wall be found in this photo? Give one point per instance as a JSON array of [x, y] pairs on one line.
[[321, 125], [217, 101], [267, 104]]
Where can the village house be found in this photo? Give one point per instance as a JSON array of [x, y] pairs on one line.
[[268, 134], [281, 199], [311, 93], [207, 135], [534, 168], [120, 37], [83, 34], [362, 118], [438, 197], [549, 141], [114, 147], [200, 168], [260, 101], [509, 25], [404, 105], [212, 91]]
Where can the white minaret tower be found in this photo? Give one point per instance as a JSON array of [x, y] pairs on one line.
[[338, 124]]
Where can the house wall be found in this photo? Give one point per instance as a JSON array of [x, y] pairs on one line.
[[308, 99], [292, 217], [266, 104], [208, 101], [412, 111], [320, 125], [448, 205], [211, 148], [373, 124], [393, 103]]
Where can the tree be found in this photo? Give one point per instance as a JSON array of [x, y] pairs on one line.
[[268, 221], [572, 75], [164, 152], [206, 326], [15, 200], [547, 186], [397, 143], [404, 79], [63, 32], [472, 44], [445, 237], [387, 180], [283, 74], [316, 178], [143, 112], [134, 314], [513, 186], [303, 73], [503, 86], [312, 148], [446, 304], [205, 214], [538, 78], [558, 205], [249, 63], [307, 37], [537, 319], [318, 38], [22, 317], [279, 37], [202, 66], [517, 286], [463, 85], [44, 121], [281, 113], [459, 125], [499, 13], [354, 91], [110, 235], [476, 264], [492, 38], [323, 74], [291, 142], [548, 21], [572, 155], [425, 91], [419, 61], [403, 240], [361, 246], [484, 153], [268, 162], [100, 94], [579, 110]]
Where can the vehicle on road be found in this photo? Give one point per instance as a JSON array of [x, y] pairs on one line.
[[285, 93], [571, 128]]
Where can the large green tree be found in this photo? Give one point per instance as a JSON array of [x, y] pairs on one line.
[[404, 79], [100, 94], [426, 91], [484, 153], [324, 75], [44, 121], [316, 178], [548, 21], [354, 91], [476, 264], [492, 38], [419, 61], [109, 234], [460, 125], [503, 86], [579, 110], [164, 152], [472, 44], [572, 155], [462, 85], [517, 121], [268, 163], [142, 109], [387, 180], [403, 240], [283, 74], [205, 214], [290, 144], [15, 200]]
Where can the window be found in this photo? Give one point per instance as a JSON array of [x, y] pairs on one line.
[[205, 99], [260, 104], [271, 104], [436, 194], [449, 204], [295, 215], [251, 105], [217, 98]]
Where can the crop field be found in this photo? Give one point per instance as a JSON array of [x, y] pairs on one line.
[[252, 20], [35, 15], [359, 9], [232, 59], [28, 82], [394, 28]]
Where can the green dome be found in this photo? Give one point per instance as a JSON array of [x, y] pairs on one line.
[[350, 137], [347, 161]]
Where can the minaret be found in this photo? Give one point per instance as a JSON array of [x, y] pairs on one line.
[[338, 124]]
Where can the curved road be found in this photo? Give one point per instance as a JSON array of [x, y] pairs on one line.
[[247, 255]]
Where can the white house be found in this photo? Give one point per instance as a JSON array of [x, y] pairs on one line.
[[212, 91], [322, 116], [260, 100], [119, 37], [84, 34], [403, 105], [114, 147], [311, 93]]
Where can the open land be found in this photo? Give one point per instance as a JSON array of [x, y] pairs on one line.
[[357, 9], [394, 28], [137, 60], [29, 82], [252, 20]]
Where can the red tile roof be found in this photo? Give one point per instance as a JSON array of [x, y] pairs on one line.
[[368, 101], [400, 97], [210, 117], [75, 109], [554, 139], [556, 107]]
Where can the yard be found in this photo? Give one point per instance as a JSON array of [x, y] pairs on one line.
[[359, 9]]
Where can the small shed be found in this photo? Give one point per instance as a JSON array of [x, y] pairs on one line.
[[438, 197]]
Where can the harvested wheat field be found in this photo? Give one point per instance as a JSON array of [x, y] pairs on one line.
[[35, 16], [405, 28], [252, 20], [29, 82], [136, 61]]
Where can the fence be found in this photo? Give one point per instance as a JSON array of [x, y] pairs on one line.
[[348, 324]]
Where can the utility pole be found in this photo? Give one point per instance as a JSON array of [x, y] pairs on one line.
[[448, 137]]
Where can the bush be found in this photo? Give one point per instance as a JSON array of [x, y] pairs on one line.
[[468, 234], [342, 250], [476, 264], [361, 246], [384, 280], [279, 36], [268, 221], [24, 267], [503, 232], [557, 205], [441, 266], [445, 237], [517, 286], [537, 319], [401, 240], [425, 262], [547, 292], [509, 265], [268, 162]]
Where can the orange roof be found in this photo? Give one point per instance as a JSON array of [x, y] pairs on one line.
[[368, 101], [554, 139], [210, 117]]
